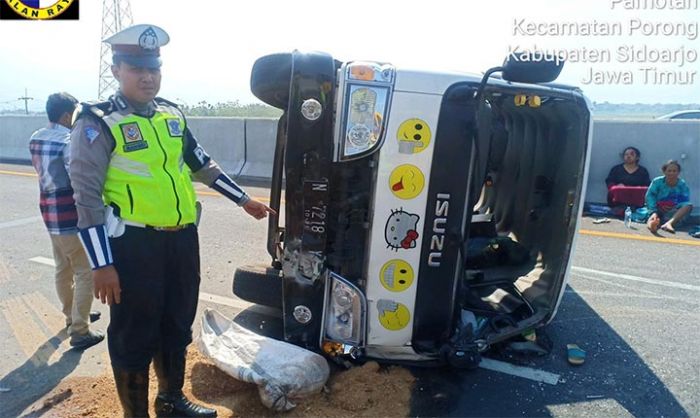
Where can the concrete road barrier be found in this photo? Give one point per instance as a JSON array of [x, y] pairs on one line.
[[260, 136], [223, 139], [658, 141], [245, 147], [14, 137]]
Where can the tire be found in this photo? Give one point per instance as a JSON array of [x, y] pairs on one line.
[[270, 79], [259, 284]]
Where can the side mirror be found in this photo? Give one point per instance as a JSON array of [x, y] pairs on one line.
[[521, 67]]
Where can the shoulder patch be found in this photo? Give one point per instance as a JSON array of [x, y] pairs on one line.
[[91, 133]]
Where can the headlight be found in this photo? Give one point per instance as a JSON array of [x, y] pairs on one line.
[[367, 90], [345, 311]]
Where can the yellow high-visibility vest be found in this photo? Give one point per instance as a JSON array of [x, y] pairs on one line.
[[147, 178]]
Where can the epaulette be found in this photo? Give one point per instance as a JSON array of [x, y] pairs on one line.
[[98, 109], [161, 100]]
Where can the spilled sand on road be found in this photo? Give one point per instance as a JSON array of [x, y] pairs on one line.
[[368, 390]]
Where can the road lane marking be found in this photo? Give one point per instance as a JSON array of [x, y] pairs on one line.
[[44, 260], [238, 304], [638, 279], [639, 237], [203, 193], [617, 295], [7, 272], [29, 335], [609, 282], [52, 318], [519, 371], [222, 300], [18, 173], [20, 222], [206, 297]]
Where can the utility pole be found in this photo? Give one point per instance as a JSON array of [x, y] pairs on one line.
[[116, 15], [26, 101]]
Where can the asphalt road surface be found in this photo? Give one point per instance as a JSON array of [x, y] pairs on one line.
[[633, 303]]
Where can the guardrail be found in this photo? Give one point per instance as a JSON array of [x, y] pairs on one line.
[[244, 147]]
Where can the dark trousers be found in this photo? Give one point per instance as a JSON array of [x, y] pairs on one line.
[[159, 279]]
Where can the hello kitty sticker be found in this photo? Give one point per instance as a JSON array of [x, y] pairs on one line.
[[401, 231]]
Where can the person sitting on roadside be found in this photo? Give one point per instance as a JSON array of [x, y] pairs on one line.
[[668, 199], [627, 182]]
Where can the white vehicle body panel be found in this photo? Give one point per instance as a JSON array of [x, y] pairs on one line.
[[394, 324]]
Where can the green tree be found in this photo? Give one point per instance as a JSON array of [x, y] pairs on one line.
[[231, 109]]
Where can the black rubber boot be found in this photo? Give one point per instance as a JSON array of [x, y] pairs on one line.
[[132, 388], [171, 402]]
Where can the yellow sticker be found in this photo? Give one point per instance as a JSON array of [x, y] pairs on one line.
[[413, 136], [396, 275], [393, 315], [406, 181]]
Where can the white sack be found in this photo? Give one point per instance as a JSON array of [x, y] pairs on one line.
[[282, 371]]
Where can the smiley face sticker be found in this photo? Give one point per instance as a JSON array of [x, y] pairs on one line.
[[406, 181], [396, 275], [393, 316], [413, 136]]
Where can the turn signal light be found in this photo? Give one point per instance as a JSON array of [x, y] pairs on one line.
[[361, 72], [332, 348]]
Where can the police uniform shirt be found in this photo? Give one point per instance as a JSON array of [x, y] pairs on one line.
[[91, 151]]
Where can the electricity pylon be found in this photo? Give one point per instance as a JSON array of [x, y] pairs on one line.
[[116, 15]]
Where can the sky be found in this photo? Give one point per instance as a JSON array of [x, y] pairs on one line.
[[215, 43]]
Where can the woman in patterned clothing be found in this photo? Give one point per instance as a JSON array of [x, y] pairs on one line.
[[668, 199]]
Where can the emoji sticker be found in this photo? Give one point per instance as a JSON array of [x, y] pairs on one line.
[[406, 181], [401, 230], [393, 315], [413, 136], [396, 275]]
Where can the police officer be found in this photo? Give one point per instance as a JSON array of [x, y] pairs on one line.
[[132, 161]]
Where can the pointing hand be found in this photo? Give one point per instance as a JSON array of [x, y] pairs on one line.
[[257, 210]]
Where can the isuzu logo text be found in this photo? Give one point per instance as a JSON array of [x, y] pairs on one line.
[[437, 240]]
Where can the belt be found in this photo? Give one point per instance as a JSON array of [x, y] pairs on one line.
[[158, 228]]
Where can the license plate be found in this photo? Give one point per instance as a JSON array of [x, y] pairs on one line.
[[315, 206]]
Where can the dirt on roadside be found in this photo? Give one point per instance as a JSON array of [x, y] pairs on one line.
[[368, 390]]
